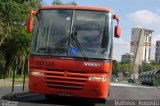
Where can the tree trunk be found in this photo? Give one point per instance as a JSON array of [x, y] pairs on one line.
[[23, 66], [6, 69], [7, 31]]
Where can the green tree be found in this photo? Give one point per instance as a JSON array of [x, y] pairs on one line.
[[71, 3], [149, 66], [114, 67], [126, 68], [59, 2], [123, 67], [13, 13], [14, 41]]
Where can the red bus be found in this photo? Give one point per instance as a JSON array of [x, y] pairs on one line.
[[71, 53]]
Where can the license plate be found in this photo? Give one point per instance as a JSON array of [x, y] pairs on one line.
[[64, 94]]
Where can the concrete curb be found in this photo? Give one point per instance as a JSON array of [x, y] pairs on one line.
[[134, 86], [26, 94]]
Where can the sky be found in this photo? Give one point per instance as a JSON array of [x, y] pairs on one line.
[[132, 13]]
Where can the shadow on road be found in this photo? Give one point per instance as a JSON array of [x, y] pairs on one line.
[[40, 99]]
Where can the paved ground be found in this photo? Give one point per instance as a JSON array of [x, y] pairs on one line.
[[129, 92], [8, 89], [119, 93]]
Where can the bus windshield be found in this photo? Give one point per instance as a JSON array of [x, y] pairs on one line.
[[72, 33]]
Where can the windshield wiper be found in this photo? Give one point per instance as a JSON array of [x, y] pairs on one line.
[[74, 36]]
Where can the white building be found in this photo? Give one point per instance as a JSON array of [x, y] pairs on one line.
[[140, 46], [128, 57], [157, 53]]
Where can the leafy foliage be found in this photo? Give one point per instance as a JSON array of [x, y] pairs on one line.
[[124, 67], [114, 67], [128, 68], [58, 2], [149, 66], [14, 41]]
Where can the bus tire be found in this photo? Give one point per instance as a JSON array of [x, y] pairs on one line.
[[49, 97]]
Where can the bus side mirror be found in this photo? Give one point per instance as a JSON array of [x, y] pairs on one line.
[[117, 29], [29, 27]]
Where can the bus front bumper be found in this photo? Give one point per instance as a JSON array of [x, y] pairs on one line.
[[89, 89]]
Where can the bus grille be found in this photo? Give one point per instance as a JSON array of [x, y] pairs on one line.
[[68, 80]]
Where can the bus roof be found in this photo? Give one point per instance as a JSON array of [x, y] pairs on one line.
[[74, 7]]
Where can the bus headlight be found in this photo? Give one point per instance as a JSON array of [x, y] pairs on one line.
[[101, 79], [36, 73]]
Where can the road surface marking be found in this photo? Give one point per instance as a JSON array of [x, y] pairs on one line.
[[128, 85]]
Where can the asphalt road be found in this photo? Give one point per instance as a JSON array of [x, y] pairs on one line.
[[118, 93]]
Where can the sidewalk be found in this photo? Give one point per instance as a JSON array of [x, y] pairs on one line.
[[8, 82], [125, 83]]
